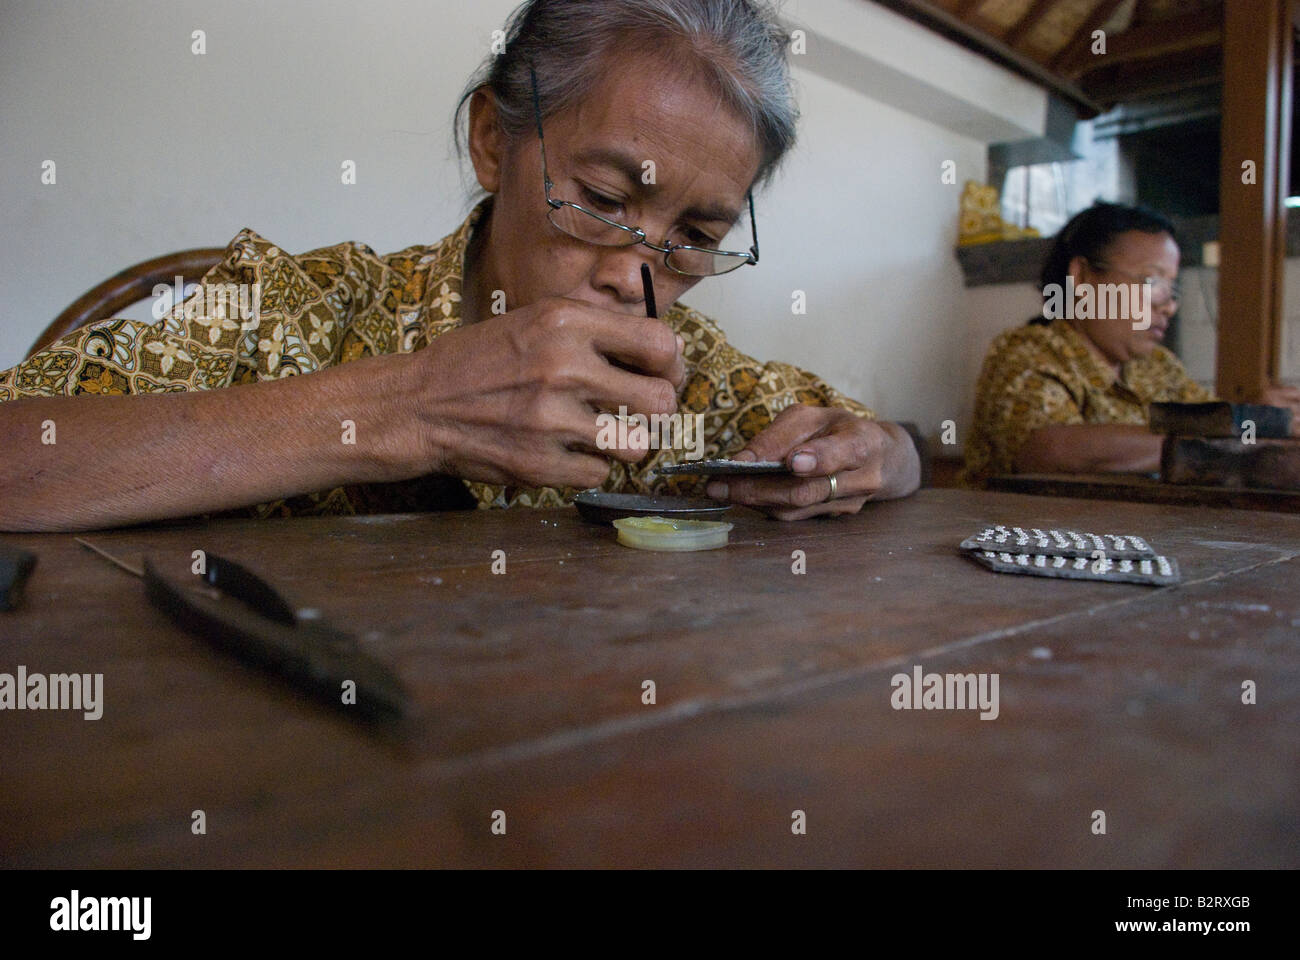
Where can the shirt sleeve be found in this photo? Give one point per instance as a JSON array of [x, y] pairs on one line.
[[1021, 389], [1030, 401], [259, 314]]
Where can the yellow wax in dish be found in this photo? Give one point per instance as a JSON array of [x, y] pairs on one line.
[[661, 533]]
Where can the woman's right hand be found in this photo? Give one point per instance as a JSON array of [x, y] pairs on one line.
[[514, 398]]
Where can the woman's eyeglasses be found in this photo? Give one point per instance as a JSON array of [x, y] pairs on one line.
[[583, 224], [1163, 290]]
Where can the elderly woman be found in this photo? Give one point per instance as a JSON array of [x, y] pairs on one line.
[[1069, 392], [475, 370]]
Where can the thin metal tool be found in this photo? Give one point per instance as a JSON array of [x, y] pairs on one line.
[[110, 558], [722, 468], [263, 629], [648, 287]]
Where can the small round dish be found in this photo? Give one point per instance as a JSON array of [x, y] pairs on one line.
[[595, 506], [671, 534]]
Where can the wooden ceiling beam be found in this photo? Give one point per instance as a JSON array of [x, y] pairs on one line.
[[1149, 59], [1026, 23], [1082, 39], [1194, 31], [947, 23], [1136, 81]]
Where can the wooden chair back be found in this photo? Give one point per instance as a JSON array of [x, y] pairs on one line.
[[130, 286]]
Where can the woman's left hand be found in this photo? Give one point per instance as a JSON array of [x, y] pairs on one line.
[[868, 459]]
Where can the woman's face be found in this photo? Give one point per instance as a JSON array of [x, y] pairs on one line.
[[640, 123], [1129, 258]]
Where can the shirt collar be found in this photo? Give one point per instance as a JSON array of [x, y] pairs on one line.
[[444, 286]]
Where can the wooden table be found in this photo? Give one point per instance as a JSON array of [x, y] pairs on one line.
[[773, 695], [1140, 488]]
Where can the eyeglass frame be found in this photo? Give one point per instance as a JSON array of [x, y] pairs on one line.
[[1175, 289], [750, 258]]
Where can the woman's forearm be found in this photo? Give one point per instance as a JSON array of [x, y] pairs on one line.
[[1090, 448], [126, 459]]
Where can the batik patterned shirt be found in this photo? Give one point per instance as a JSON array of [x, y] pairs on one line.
[[1039, 375], [342, 303]]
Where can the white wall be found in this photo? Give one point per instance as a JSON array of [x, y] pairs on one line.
[[1199, 312], [158, 149], [860, 222]]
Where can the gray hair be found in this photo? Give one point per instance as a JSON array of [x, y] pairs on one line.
[[738, 47]]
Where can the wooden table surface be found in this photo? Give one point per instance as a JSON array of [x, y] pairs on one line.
[[773, 695], [1140, 488]]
